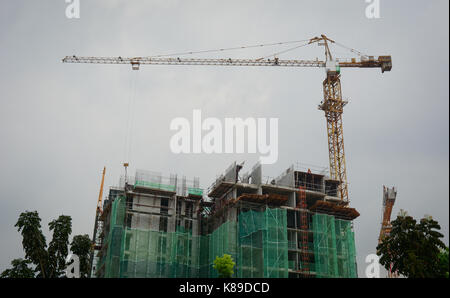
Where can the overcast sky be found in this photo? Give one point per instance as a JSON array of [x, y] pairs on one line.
[[61, 123]]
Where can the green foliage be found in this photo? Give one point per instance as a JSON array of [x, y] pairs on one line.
[[19, 269], [443, 262], [413, 248], [81, 246], [224, 266], [58, 247], [33, 241], [51, 262]]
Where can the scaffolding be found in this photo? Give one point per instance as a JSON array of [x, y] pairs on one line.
[[334, 247], [345, 248], [143, 253], [257, 242], [110, 254], [304, 230], [222, 241], [155, 180], [263, 244]]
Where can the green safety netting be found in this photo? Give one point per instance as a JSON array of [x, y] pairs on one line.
[[334, 247], [191, 190], [112, 245], [257, 243], [324, 245], [345, 249], [195, 191], [146, 253], [263, 244], [154, 185], [222, 241], [158, 254]]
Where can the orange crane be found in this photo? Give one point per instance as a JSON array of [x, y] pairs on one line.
[[332, 104], [389, 196], [98, 225]]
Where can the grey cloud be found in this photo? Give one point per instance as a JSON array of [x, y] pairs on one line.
[[60, 124]]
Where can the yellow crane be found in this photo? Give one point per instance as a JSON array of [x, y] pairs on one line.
[[332, 104], [98, 222]]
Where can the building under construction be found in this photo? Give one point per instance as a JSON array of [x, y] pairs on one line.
[[295, 225]]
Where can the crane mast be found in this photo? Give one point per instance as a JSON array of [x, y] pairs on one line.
[[333, 106], [98, 222], [332, 103], [389, 197]]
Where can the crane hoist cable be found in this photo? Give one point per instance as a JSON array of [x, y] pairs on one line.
[[130, 117], [229, 49], [306, 42], [359, 53], [284, 51]]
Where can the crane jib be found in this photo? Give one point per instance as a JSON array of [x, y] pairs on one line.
[[383, 62]]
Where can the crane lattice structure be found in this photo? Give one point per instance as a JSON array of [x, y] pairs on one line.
[[389, 196], [98, 225], [332, 104]]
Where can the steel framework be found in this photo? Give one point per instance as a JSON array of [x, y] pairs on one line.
[[389, 197], [333, 106], [304, 229]]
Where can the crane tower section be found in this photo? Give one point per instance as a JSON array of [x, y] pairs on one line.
[[333, 106], [389, 196]]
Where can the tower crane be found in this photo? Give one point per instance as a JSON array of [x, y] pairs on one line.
[[98, 222], [389, 196], [332, 103]]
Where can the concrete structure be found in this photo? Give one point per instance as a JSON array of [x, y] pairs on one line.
[[290, 226]]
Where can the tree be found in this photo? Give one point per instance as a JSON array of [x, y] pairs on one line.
[[81, 246], [443, 261], [58, 247], [224, 266], [412, 248], [19, 269], [33, 241], [51, 262]]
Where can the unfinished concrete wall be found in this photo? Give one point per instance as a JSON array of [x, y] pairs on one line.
[[286, 178], [144, 212], [256, 174], [230, 173]]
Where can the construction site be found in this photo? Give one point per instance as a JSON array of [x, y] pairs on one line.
[[294, 225], [297, 225]]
